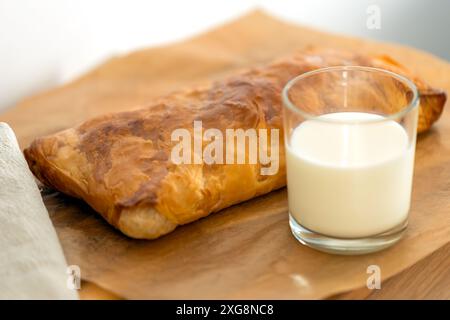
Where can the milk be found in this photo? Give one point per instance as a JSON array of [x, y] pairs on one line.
[[349, 180]]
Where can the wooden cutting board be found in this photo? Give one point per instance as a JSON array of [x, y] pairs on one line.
[[245, 251]]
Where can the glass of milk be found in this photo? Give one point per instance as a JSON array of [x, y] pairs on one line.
[[350, 135]]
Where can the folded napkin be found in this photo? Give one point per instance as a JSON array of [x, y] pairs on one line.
[[32, 264]]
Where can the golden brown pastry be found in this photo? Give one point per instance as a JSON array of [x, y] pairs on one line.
[[120, 163]]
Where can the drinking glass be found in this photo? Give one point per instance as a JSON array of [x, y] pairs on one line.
[[350, 135]]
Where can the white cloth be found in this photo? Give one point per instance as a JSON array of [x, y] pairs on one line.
[[32, 264]]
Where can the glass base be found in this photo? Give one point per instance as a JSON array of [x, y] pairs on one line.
[[346, 246]]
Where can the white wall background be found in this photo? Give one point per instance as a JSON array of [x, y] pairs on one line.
[[44, 43]]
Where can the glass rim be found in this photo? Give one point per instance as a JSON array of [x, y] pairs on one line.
[[309, 116]]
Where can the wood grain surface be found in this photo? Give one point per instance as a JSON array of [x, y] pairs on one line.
[[245, 251]]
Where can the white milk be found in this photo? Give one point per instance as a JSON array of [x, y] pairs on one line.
[[349, 180]]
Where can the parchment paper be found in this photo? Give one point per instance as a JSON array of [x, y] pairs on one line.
[[245, 251]]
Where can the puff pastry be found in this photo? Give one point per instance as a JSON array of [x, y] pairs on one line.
[[120, 163]]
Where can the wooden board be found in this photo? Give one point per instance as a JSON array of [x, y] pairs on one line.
[[245, 251]]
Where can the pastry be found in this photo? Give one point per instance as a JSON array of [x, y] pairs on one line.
[[120, 163]]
